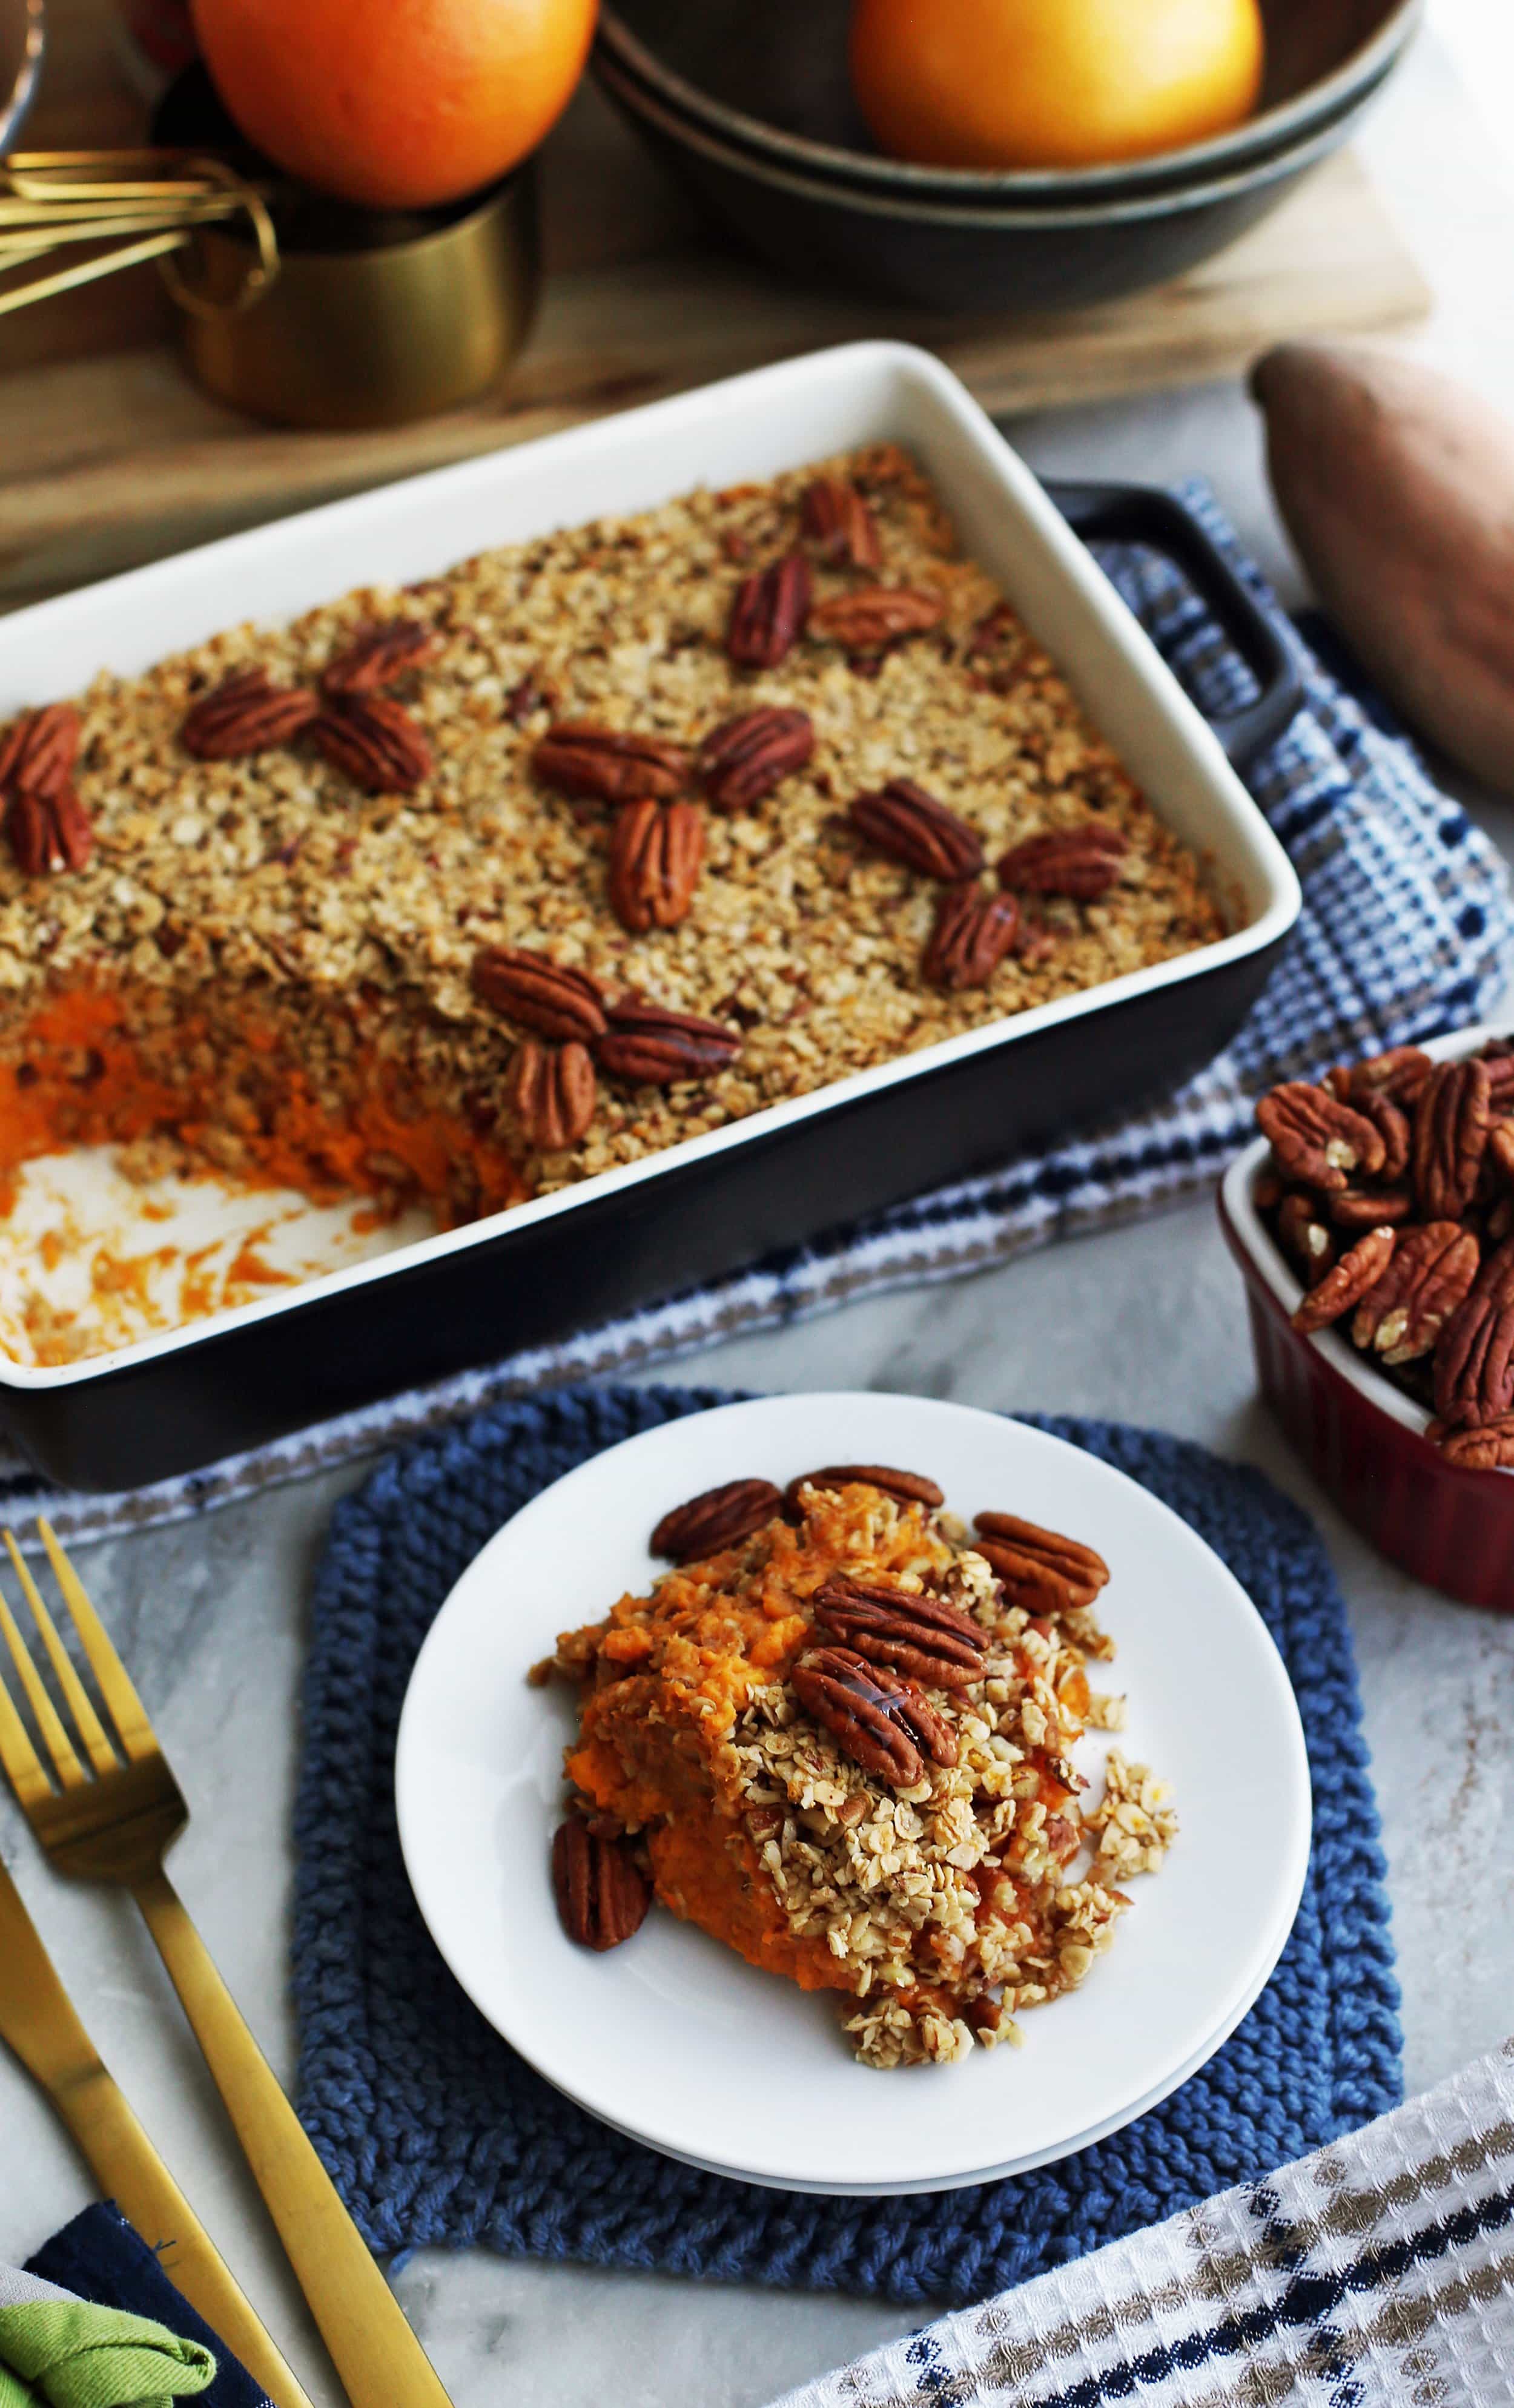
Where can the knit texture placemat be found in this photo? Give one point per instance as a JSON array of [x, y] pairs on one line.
[[436, 2132]]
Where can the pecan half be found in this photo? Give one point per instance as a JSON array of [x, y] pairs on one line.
[[718, 1518], [908, 824], [1450, 1133], [743, 760], [578, 758], [654, 1046], [1394, 1126], [1317, 1138], [1488, 1449], [1369, 1208], [373, 741], [1082, 861], [49, 833], [1398, 1075], [602, 1895], [1430, 1274], [770, 612], [839, 523], [909, 1487], [1303, 1234], [971, 935], [1042, 1569], [1356, 1272], [655, 850], [882, 1723], [875, 615], [1474, 1362], [246, 713], [552, 1093], [38, 756], [379, 654], [921, 1636], [539, 995]]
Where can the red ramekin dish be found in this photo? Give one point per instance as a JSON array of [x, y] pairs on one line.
[[1363, 1439]]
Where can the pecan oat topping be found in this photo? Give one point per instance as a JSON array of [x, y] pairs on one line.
[[839, 1749]]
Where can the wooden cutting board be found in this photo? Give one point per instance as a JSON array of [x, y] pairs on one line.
[[109, 456]]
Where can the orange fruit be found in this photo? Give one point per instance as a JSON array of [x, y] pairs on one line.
[[395, 104], [1052, 83]]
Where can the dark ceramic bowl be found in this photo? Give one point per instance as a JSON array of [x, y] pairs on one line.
[[773, 81], [20, 61], [964, 258]]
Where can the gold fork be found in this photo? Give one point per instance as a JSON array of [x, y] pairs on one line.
[[115, 1823], [39, 2022]]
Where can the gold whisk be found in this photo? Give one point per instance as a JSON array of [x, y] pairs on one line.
[[126, 207]]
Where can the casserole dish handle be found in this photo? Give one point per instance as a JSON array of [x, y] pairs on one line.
[[1147, 514]]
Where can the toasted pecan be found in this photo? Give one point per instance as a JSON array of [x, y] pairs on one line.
[[539, 995], [746, 758], [719, 1517], [770, 612], [655, 853], [909, 825], [602, 1895]]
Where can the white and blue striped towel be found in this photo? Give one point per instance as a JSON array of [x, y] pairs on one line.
[[1376, 2273], [1408, 929]]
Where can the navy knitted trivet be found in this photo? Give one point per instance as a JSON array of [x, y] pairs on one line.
[[436, 2132]]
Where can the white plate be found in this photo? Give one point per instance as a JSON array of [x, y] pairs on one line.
[[676, 2039]]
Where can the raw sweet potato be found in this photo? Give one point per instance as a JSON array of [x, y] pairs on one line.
[[1397, 487]]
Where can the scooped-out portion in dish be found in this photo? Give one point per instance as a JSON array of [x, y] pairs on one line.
[[448, 897], [838, 1738]]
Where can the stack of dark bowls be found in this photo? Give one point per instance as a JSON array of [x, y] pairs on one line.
[[751, 109]]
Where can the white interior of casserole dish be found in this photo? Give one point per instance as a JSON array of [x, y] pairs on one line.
[[1239, 1191], [748, 428]]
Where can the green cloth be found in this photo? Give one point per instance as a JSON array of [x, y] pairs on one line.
[[67, 2353]]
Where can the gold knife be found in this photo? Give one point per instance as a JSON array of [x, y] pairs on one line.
[[38, 2020]]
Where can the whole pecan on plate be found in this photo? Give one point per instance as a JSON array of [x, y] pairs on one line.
[[379, 654], [1080, 861], [973, 934], [49, 833], [919, 1635], [655, 850], [1042, 1569], [654, 1046], [540, 995], [910, 827], [1451, 1134], [246, 713], [552, 1092], [839, 525], [38, 756], [372, 740], [768, 613], [1303, 1235], [720, 1517], [606, 765], [885, 1723], [1428, 1276], [907, 1487], [602, 1895], [1474, 1361], [874, 616], [1356, 1273], [1317, 1138], [746, 758]]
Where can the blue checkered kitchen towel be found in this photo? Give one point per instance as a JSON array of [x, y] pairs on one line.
[[436, 2132], [1408, 929]]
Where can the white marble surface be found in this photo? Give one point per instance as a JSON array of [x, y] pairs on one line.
[[1142, 1323]]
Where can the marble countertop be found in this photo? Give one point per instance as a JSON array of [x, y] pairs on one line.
[[1142, 1324]]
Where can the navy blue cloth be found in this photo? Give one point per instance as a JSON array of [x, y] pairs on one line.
[[436, 2132], [101, 2258]]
